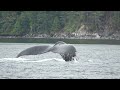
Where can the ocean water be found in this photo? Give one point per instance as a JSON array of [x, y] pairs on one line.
[[94, 61]]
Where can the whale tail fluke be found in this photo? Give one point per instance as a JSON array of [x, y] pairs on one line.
[[67, 51], [34, 50]]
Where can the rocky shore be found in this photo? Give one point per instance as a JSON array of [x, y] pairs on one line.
[[68, 36]]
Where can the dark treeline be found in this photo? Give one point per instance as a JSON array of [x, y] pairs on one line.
[[20, 23]]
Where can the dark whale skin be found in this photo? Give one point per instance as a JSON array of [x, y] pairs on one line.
[[67, 51]]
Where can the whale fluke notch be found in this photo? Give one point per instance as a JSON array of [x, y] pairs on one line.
[[67, 51]]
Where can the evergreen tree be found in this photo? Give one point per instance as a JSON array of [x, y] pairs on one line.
[[37, 22]]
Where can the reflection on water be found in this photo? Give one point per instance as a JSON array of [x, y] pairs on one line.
[[95, 61]]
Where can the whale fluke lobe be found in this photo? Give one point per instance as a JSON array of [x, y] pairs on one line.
[[34, 50], [67, 51], [59, 43]]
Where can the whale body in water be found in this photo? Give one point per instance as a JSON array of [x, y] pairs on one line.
[[67, 51]]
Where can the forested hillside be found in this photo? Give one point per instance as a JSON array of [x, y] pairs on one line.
[[55, 23]]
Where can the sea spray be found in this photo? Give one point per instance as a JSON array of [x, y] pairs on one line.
[[29, 60]]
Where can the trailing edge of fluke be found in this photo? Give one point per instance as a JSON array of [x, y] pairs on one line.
[[67, 51]]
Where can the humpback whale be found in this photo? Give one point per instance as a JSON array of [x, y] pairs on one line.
[[67, 51]]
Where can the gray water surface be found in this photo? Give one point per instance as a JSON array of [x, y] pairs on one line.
[[96, 61]]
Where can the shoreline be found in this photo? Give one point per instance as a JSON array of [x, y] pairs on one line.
[[91, 38]]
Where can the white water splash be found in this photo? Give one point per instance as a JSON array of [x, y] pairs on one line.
[[75, 61], [90, 60], [29, 60]]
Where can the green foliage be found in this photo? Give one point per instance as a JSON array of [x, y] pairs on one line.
[[55, 25], [35, 22], [21, 26]]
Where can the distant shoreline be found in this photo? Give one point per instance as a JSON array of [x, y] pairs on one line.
[[103, 38]]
